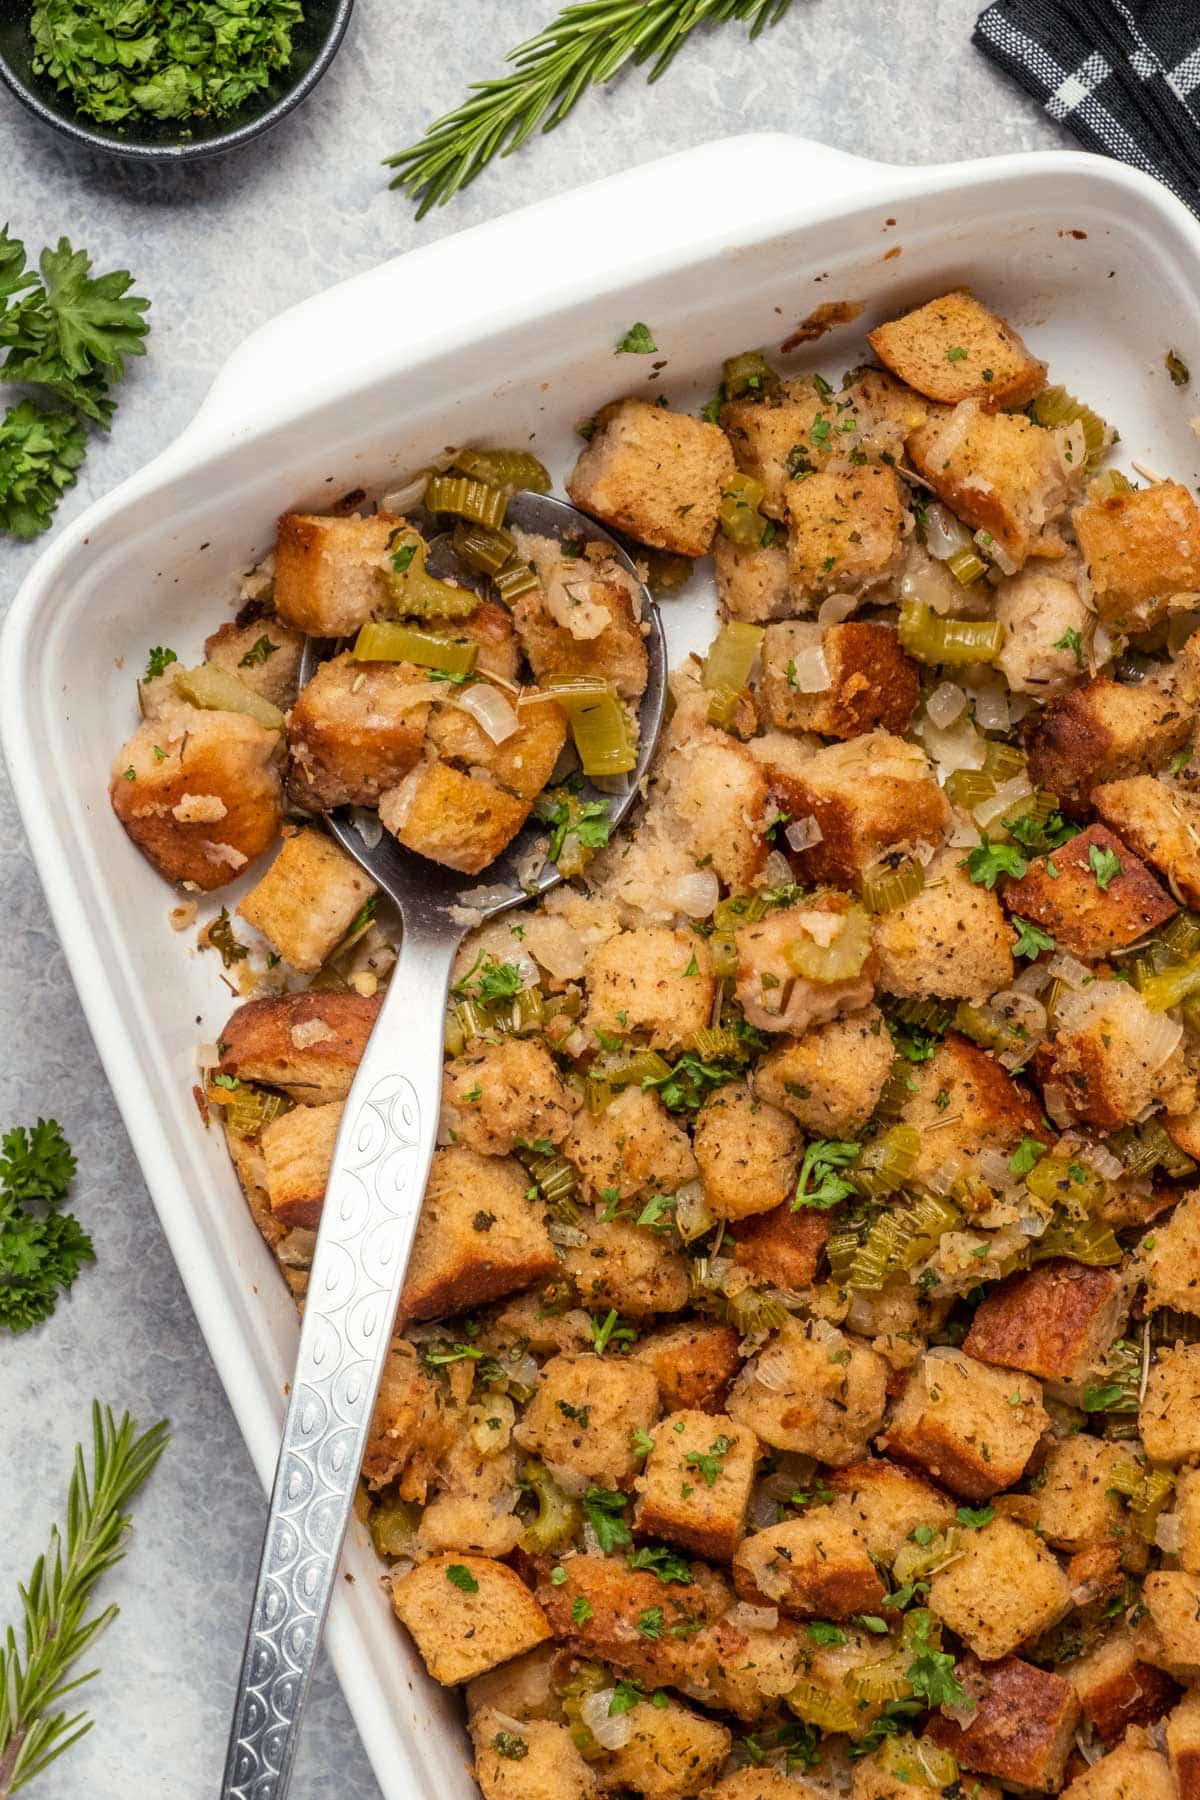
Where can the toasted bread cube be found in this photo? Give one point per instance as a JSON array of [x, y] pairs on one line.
[[628, 1266], [845, 531], [962, 1102], [1001, 1590], [885, 1504], [1169, 1417], [954, 349], [752, 579], [1101, 733], [748, 1152], [454, 819], [1081, 916], [1187, 1510], [746, 1671], [465, 1623], [199, 794], [1162, 823], [695, 1487], [501, 1094], [951, 939], [479, 1237], [771, 994], [1040, 609], [490, 628], [1171, 1258], [1077, 1506], [1133, 1771], [1116, 1690], [972, 1428], [999, 472], [1139, 549], [870, 795], [307, 900], [472, 1508], [871, 681], [812, 1567], [693, 1363], [410, 1430], [355, 731], [524, 762], [887, 409], [298, 1153], [1022, 1729], [821, 1392], [830, 1079], [1183, 1745], [329, 572], [617, 1597], [886, 1774], [671, 1752], [583, 619], [652, 981], [751, 1783], [310, 1045], [264, 654], [781, 1247], [1103, 1065], [633, 1145], [656, 474], [1055, 1321], [1169, 1634], [585, 1413], [718, 793], [781, 440], [538, 1762]]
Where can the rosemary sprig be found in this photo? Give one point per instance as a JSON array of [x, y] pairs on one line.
[[33, 1681], [583, 47]]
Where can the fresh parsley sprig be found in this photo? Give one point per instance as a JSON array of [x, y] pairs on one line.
[[41, 1248], [584, 46], [36, 1671]]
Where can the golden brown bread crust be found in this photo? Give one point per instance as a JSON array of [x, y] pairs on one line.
[[692, 1363], [781, 1246], [461, 1632], [1160, 820], [298, 1152], [656, 474], [1117, 1690], [259, 1043], [617, 1596], [478, 1237], [328, 571], [813, 1568], [1138, 550], [410, 1429], [348, 739], [953, 349], [1054, 1321], [1023, 1726], [696, 1504], [845, 531], [453, 818], [1072, 907], [872, 682], [618, 654], [1102, 732], [986, 1108]]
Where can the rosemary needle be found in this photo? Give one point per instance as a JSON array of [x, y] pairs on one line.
[[33, 1680], [583, 47]]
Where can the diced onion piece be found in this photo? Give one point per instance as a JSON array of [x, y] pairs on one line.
[[367, 825], [692, 1215], [944, 534], [991, 707], [744, 1617], [777, 870], [803, 834], [489, 709], [610, 1733], [836, 607], [995, 552], [808, 671], [696, 894], [945, 704]]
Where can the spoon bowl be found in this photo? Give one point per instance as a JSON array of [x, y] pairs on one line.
[[369, 1218]]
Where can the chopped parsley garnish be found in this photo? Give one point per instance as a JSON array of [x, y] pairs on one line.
[[638, 341], [157, 661], [609, 1330], [988, 861], [604, 1509], [820, 1185], [459, 1576], [931, 1673], [650, 1623], [1105, 866], [1071, 640], [823, 1633], [667, 1564], [1027, 1154], [956, 354], [711, 1462], [1031, 939], [508, 1745], [975, 1516], [626, 1695], [581, 1609], [259, 652], [41, 1248]]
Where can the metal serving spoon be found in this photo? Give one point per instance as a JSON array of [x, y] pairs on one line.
[[372, 1203]]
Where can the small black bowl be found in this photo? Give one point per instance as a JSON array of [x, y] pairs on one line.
[[315, 44]]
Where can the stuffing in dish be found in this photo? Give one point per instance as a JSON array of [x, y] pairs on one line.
[[798, 1389]]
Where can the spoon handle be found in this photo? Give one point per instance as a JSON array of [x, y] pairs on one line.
[[372, 1202]]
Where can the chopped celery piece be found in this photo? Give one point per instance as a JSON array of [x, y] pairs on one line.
[[966, 565], [839, 960], [719, 1041], [599, 724], [890, 888], [881, 1681], [619, 1069], [558, 1517], [483, 548], [723, 949], [393, 1527], [727, 667], [748, 375], [666, 573], [1109, 485], [1003, 761], [508, 469], [1147, 1489], [469, 499], [1182, 935], [933, 639], [247, 1108], [969, 788], [517, 577], [981, 1027], [827, 1711], [751, 1311], [1063, 1180], [919, 1760], [413, 591], [739, 517], [1170, 986], [928, 1015], [897, 1090], [387, 641], [886, 1162], [557, 1179], [917, 1562], [1080, 1240], [454, 1039], [904, 1236], [215, 689], [1055, 406]]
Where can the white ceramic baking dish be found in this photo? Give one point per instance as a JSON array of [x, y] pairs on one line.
[[504, 334]]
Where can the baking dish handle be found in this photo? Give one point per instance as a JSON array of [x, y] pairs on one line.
[[428, 300]]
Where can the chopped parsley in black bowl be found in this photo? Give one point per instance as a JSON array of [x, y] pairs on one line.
[[315, 38]]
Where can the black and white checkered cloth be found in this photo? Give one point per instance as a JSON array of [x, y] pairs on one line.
[[1122, 75]]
